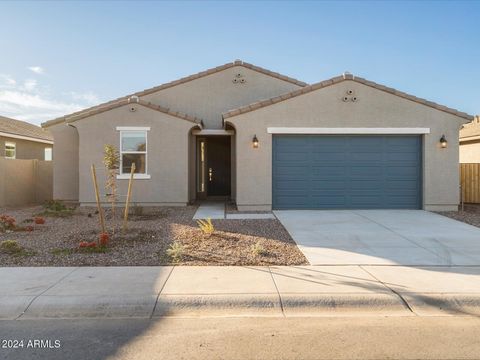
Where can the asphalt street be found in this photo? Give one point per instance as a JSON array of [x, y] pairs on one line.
[[406, 337]]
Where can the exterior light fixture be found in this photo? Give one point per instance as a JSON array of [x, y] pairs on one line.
[[443, 141], [255, 142]]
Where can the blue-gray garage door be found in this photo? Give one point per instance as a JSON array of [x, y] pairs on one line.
[[347, 172]]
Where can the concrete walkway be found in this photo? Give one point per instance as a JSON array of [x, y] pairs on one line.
[[382, 237], [145, 292], [216, 210], [210, 210]]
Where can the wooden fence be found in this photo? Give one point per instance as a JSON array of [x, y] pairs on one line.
[[470, 182]]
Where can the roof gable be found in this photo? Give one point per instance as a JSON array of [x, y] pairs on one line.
[[336, 80], [135, 100], [175, 83]]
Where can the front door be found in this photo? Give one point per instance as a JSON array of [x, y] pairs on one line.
[[218, 166]]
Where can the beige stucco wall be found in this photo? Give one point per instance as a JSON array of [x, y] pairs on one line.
[[25, 182], [65, 169], [325, 108], [208, 97], [25, 149], [167, 159], [470, 152]]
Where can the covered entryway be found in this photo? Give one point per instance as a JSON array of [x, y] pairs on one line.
[[213, 166], [347, 172]]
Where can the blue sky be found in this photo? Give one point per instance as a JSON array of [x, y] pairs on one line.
[[59, 57]]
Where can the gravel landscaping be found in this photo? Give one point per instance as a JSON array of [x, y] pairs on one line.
[[470, 215], [146, 243]]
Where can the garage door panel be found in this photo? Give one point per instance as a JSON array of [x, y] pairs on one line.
[[372, 171], [329, 171], [329, 185], [335, 172]]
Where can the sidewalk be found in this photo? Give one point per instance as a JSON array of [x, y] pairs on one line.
[[144, 292]]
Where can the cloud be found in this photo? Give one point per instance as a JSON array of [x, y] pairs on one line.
[[37, 69], [32, 101], [30, 84], [87, 97], [34, 108], [6, 81]]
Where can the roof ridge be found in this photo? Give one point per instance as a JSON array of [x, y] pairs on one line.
[[147, 104], [337, 79], [178, 82]]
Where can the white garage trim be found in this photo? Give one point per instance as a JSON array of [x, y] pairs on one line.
[[351, 131]]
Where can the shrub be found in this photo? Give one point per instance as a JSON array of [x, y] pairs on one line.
[[104, 237], [56, 208], [11, 247], [7, 223], [54, 205], [39, 220], [206, 226], [258, 249], [176, 251]]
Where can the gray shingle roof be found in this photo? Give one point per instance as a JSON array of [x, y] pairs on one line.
[[22, 128]]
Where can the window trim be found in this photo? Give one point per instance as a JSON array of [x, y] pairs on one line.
[[126, 129], [10, 143]]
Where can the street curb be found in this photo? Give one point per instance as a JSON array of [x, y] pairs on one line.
[[241, 305]]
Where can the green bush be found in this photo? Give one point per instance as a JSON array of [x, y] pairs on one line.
[[54, 205]]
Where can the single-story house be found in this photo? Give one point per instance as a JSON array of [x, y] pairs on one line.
[[470, 142], [267, 141], [22, 140]]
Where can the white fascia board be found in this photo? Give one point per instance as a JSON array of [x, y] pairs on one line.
[[21, 137], [133, 128], [352, 131]]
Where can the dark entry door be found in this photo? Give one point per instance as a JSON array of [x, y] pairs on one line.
[[218, 166]]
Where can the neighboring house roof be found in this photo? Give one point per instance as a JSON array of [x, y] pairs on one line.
[[23, 130], [134, 100], [175, 83], [471, 131], [336, 80]]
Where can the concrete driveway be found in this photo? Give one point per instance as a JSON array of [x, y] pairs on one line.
[[381, 237]]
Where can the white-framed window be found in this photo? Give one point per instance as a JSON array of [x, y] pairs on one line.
[[48, 154], [133, 150], [10, 150]]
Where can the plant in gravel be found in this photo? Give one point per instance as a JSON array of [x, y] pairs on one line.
[[11, 247], [104, 237], [206, 226], [176, 251], [59, 251], [111, 160], [54, 205], [7, 223], [27, 221], [39, 220], [258, 249]]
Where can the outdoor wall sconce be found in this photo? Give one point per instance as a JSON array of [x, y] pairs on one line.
[[443, 142], [255, 142]]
